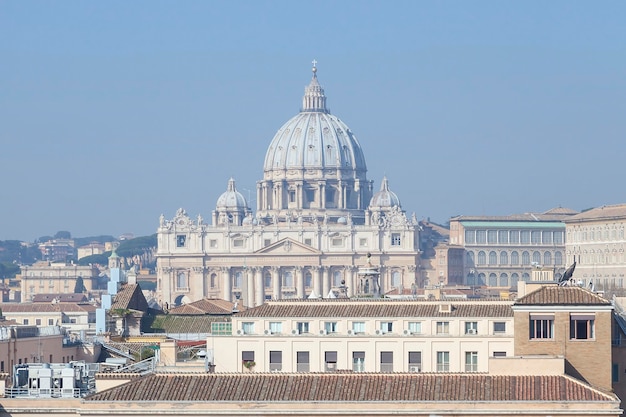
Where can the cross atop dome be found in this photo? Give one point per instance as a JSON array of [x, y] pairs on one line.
[[314, 62]]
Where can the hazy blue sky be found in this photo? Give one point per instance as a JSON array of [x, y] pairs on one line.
[[114, 112]]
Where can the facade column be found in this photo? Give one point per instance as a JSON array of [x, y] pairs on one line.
[[249, 280], [317, 281], [276, 283], [322, 195], [350, 281], [299, 282], [325, 281], [227, 285], [259, 285]]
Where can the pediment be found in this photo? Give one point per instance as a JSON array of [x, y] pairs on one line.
[[288, 246]]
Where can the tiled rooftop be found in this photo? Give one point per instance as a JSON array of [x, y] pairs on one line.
[[600, 213], [61, 297], [377, 308], [562, 295], [204, 306], [342, 387], [46, 307], [130, 297]]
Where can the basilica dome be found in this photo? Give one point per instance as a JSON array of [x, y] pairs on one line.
[[231, 199], [385, 198], [314, 139]]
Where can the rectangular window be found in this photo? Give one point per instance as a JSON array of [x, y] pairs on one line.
[[581, 326], [302, 327], [363, 243], [308, 242], [395, 239], [415, 361], [221, 329], [247, 359], [481, 236], [276, 360], [213, 243], [535, 237], [415, 327], [471, 327], [337, 242], [558, 237], [310, 195], [2, 366], [499, 354], [525, 236], [330, 361], [302, 361], [267, 242], [358, 327], [358, 361], [503, 236], [50, 322], [492, 237], [276, 327], [180, 241], [614, 372], [443, 327], [541, 326], [38, 322], [247, 327], [238, 243], [386, 361], [499, 327], [547, 237], [471, 361], [470, 237], [330, 327], [443, 361], [386, 327], [25, 321], [514, 236], [292, 196]]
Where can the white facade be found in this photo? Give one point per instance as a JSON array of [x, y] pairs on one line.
[[316, 220]]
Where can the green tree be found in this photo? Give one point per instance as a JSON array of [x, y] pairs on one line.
[[63, 234], [100, 259], [79, 288]]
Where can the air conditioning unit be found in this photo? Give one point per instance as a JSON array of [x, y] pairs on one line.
[[240, 332], [350, 332], [378, 332], [295, 332], [323, 332], [267, 332], [471, 331], [407, 332], [414, 369]]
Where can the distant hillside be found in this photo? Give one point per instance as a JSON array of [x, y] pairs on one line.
[[139, 251]]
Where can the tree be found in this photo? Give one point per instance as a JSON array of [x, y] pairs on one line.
[[79, 288], [63, 234], [100, 259]]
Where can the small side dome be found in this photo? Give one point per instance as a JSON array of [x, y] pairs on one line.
[[231, 199], [342, 220], [385, 198]]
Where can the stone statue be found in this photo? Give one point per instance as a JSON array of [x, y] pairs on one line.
[[161, 220]]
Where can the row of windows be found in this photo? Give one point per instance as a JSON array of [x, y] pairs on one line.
[[595, 235], [581, 326], [359, 327], [513, 237], [385, 362], [604, 258], [514, 258], [494, 281]]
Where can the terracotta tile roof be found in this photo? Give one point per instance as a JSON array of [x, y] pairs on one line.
[[562, 295], [205, 306], [600, 213], [167, 323], [46, 308], [130, 297], [61, 297], [378, 308], [342, 387]]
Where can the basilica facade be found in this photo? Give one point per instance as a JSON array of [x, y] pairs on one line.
[[318, 220]]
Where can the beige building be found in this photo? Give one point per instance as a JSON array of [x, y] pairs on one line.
[[93, 248], [57, 277], [76, 318], [317, 218], [597, 240], [502, 250], [367, 336]]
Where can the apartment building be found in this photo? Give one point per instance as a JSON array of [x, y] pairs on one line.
[[58, 277]]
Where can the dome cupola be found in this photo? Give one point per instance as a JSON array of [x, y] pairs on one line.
[[231, 206], [385, 198]]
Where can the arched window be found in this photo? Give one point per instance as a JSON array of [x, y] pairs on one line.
[[237, 282], [337, 277], [267, 280], [547, 258], [514, 279], [514, 258], [525, 277], [471, 279], [469, 256], [181, 280], [493, 280], [504, 280], [525, 258], [308, 280], [395, 278], [213, 280], [481, 279], [493, 258], [504, 258], [482, 258], [288, 279], [558, 258], [536, 257]]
